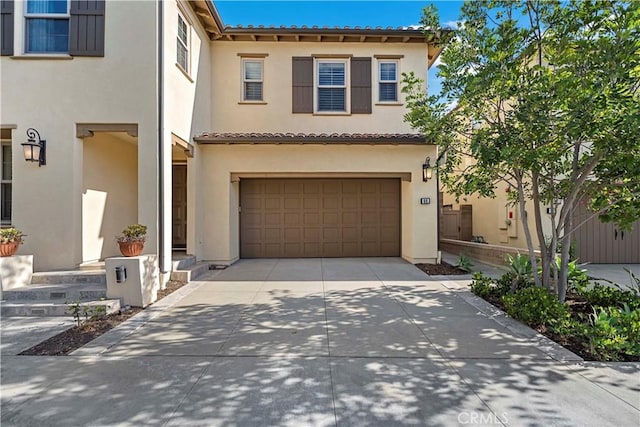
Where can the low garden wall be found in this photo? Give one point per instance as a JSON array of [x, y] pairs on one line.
[[490, 254]]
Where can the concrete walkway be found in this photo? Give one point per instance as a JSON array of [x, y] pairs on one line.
[[319, 342]]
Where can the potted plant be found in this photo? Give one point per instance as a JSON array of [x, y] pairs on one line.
[[10, 239], [131, 241]]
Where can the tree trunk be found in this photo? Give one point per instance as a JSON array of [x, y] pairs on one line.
[[527, 231]]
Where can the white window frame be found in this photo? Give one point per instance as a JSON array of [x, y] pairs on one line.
[[6, 181], [186, 45], [60, 16], [380, 81], [244, 80], [346, 86]]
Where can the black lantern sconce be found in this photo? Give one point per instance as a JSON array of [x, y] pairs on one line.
[[35, 149], [427, 170]]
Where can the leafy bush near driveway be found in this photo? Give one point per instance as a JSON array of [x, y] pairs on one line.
[[598, 322], [613, 332], [606, 296], [536, 307]]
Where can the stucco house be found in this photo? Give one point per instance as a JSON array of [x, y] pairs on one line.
[[227, 142]]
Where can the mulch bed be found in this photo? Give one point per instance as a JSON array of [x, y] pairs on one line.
[[442, 269], [77, 336]]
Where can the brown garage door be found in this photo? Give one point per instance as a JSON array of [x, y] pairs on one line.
[[291, 218]]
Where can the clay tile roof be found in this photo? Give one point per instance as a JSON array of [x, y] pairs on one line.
[[308, 138]]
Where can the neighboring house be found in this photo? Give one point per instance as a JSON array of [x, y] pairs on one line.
[[226, 142], [498, 222]]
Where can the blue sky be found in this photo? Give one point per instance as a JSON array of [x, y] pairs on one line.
[[384, 13]]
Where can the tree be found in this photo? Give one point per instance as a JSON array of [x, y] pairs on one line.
[[547, 100]]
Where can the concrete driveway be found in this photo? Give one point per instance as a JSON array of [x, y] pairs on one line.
[[319, 342]]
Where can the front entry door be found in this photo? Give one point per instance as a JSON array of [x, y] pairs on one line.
[[179, 206]]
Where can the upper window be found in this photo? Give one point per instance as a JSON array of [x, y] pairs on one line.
[[5, 203], [331, 86], [388, 81], [252, 79], [47, 26], [183, 44]]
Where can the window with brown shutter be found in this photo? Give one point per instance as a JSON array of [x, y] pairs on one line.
[[360, 85], [302, 96], [86, 28]]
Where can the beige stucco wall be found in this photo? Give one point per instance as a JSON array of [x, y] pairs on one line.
[[217, 230], [53, 95], [109, 193], [275, 116], [490, 215]]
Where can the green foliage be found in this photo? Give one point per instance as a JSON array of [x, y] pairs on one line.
[[614, 332], [465, 263], [79, 310], [548, 104], [604, 296], [536, 307], [9, 235], [635, 282], [133, 233], [485, 287], [521, 271]]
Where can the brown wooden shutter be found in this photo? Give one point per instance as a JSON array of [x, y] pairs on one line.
[[360, 85], [86, 28], [6, 21], [302, 101]]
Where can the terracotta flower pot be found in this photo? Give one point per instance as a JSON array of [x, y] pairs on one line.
[[131, 248], [8, 249]]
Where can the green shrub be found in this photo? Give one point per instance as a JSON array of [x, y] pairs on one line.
[[537, 307], [481, 285], [577, 278], [10, 235], [520, 271], [465, 264], [605, 296], [486, 287], [614, 332], [133, 233]]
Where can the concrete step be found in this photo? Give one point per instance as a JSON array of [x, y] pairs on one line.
[[35, 308], [92, 266], [58, 292], [72, 276], [182, 262], [190, 273]]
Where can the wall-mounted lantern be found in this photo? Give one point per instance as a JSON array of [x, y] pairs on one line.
[[35, 149], [427, 170]]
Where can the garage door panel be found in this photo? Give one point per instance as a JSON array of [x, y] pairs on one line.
[[311, 202], [271, 203], [330, 203], [272, 219], [311, 219], [319, 217], [350, 218], [330, 218], [330, 234], [272, 235], [350, 202], [369, 202]]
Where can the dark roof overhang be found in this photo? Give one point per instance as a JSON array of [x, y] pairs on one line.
[[310, 138]]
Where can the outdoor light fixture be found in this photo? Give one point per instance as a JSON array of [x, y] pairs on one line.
[[121, 274], [427, 170], [35, 149]]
